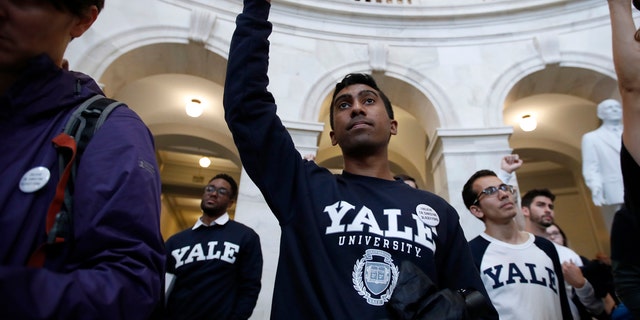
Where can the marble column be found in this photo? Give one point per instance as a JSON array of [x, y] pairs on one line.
[[456, 154], [252, 210]]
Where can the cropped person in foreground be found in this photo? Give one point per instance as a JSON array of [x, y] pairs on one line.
[[111, 262], [625, 232]]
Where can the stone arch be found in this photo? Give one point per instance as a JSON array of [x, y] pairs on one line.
[[405, 88], [505, 87], [420, 118], [563, 96], [163, 58], [141, 58], [102, 53], [156, 79], [160, 101], [510, 76]]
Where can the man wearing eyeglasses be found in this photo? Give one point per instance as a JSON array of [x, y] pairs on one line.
[[521, 272], [214, 268]]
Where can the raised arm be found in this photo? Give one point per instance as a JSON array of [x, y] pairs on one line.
[[509, 164], [265, 146], [626, 58]]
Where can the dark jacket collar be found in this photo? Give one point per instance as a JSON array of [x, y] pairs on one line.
[[44, 89]]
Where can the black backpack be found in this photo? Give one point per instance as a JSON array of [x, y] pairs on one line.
[[83, 123]]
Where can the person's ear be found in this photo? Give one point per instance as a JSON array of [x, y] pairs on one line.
[[394, 127], [525, 211], [476, 211], [332, 135], [84, 22]]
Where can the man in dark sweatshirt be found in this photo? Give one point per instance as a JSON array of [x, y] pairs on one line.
[[344, 237]]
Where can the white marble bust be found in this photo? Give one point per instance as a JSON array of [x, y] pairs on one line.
[[601, 156]]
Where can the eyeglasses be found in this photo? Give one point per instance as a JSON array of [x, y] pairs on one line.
[[212, 189], [493, 189]]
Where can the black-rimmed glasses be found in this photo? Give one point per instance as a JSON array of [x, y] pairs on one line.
[[212, 189], [493, 189]]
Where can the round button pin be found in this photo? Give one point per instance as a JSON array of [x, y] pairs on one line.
[[427, 215], [34, 179]]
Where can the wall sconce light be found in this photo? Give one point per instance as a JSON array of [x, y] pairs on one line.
[[528, 123], [205, 162], [194, 108]]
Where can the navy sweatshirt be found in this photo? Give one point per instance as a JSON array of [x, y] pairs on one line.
[[343, 236], [217, 270]]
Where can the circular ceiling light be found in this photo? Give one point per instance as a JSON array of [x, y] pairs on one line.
[[194, 108], [205, 162], [528, 123]]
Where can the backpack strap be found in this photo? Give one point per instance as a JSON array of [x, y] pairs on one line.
[[70, 144]]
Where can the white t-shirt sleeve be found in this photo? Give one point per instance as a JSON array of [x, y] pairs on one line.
[[504, 176]]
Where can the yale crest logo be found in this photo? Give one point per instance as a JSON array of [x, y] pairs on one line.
[[375, 276]]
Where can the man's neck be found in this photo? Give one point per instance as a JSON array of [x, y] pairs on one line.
[[508, 233], [538, 231], [376, 166], [206, 219], [612, 124]]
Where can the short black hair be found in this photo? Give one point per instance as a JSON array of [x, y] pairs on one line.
[[230, 180], [359, 78], [77, 7], [468, 195], [531, 194]]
